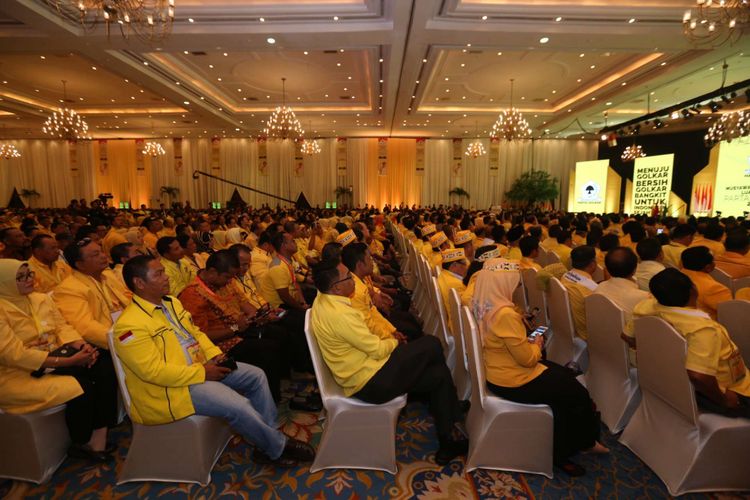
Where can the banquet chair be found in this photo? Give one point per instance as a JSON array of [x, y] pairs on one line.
[[503, 435], [183, 451], [611, 381], [598, 275], [443, 332], [356, 435], [461, 373], [689, 450], [740, 283], [536, 297], [553, 258], [519, 297], [735, 316], [564, 346], [33, 445], [723, 278], [542, 258]]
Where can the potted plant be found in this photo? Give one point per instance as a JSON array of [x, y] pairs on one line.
[[533, 187], [460, 193], [170, 191], [343, 192], [28, 194]]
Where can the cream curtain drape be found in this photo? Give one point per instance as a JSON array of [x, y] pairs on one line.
[[46, 167]]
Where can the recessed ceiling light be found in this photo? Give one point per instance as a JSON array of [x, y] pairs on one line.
[[631, 20], [554, 91], [581, 54], [262, 19], [335, 18], [191, 20], [424, 61], [185, 52], [305, 52], [42, 57], [558, 19], [484, 18], [593, 66], [211, 66], [624, 83], [663, 64], [93, 67], [145, 63], [349, 77], [446, 78], [269, 40], [186, 102], [338, 64], [225, 54], [544, 40]]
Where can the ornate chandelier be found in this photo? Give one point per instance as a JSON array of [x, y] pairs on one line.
[[66, 123], [475, 149], [283, 123], [715, 22], [632, 152], [310, 147], [511, 124], [148, 19], [8, 151], [153, 149], [729, 127]]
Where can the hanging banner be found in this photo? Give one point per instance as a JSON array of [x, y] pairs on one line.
[[420, 156], [103, 165], [732, 195], [262, 158], [652, 183], [299, 164], [140, 168], [341, 156], [456, 166], [590, 186], [494, 156], [382, 156], [177, 156], [215, 143], [73, 156]]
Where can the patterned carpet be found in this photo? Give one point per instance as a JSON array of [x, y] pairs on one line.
[[618, 475]]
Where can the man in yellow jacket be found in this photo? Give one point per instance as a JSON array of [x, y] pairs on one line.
[[172, 370]]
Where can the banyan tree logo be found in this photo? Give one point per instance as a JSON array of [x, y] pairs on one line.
[[591, 192]]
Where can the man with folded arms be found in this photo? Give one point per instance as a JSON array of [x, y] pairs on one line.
[[377, 370], [46, 263], [173, 370]]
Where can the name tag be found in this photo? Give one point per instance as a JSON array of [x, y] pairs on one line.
[[737, 368], [575, 278], [196, 353]]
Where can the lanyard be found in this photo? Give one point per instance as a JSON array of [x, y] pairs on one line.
[[105, 295], [294, 277]]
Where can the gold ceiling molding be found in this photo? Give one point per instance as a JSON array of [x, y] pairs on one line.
[[131, 111]]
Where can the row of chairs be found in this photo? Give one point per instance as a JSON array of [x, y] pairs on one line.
[[726, 280]]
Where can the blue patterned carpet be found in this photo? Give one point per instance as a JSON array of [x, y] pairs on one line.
[[618, 475]]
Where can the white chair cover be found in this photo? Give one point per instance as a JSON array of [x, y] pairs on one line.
[[598, 275], [688, 450], [444, 333], [722, 278], [542, 258], [563, 346], [33, 445], [519, 297], [184, 451], [357, 435], [502, 434], [461, 371], [740, 283], [553, 258], [536, 297], [611, 381], [735, 316]]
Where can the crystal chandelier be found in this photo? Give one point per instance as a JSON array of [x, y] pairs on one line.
[[153, 149], [66, 123], [730, 126], [632, 152], [310, 147], [8, 151], [475, 149], [715, 22], [150, 20], [283, 123], [510, 124]]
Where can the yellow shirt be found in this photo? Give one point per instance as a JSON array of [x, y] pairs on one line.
[[278, 276], [514, 254], [111, 239], [247, 289], [563, 251], [528, 263], [179, 273], [579, 286], [351, 351], [716, 247], [25, 341], [710, 291], [709, 347], [468, 294], [362, 302], [673, 254], [197, 262], [446, 281], [48, 277], [87, 305], [734, 264], [510, 360], [157, 371], [149, 240], [260, 262], [376, 248]]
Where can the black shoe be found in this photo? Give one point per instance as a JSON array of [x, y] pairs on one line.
[[298, 450], [450, 450], [84, 451], [302, 403], [283, 462], [570, 468]]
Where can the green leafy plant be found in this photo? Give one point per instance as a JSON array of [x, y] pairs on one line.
[[533, 187], [460, 193], [29, 194], [170, 191], [342, 192]]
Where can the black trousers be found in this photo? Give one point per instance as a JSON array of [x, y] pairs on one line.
[[707, 405], [405, 323], [266, 353], [576, 422], [293, 323], [97, 406], [418, 368]]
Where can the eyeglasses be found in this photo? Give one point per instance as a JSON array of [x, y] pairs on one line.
[[348, 277], [25, 276]]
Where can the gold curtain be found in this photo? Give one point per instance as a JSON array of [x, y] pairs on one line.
[[121, 177], [400, 184]]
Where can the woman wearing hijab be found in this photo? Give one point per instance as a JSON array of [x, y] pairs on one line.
[[235, 235], [516, 371], [135, 236], [31, 328]]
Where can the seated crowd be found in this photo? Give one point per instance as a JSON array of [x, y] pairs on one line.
[[206, 311]]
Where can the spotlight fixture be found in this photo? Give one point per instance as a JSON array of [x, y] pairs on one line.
[[715, 106]]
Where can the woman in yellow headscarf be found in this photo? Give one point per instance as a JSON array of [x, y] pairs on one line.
[[516, 371], [31, 328]]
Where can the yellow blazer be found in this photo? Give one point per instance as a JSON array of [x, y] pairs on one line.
[[88, 306], [157, 373], [24, 346], [47, 279]]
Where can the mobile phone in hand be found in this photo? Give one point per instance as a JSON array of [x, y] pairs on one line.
[[541, 330]]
